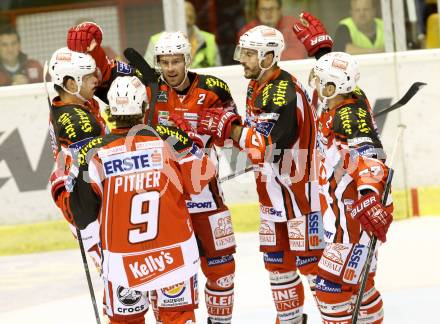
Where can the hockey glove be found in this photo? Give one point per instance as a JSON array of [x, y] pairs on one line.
[[217, 122], [372, 216], [183, 124], [311, 32], [80, 37]]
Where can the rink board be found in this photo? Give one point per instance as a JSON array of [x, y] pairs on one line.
[[26, 162]]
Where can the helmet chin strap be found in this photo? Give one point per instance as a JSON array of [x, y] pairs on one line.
[[76, 94], [263, 69]]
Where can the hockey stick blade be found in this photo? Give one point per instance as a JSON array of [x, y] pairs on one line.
[[415, 87], [234, 175], [148, 74]]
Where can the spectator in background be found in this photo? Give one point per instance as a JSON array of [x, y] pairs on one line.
[[269, 13], [15, 67], [204, 50], [361, 33]]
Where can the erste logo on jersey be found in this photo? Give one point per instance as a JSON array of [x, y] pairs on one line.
[[130, 162], [146, 267]]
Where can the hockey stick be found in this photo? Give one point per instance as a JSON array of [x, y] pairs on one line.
[[373, 242], [78, 232], [412, 91], [415, 87], [149, 77]]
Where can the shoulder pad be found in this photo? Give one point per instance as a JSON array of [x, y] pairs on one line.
[[175, 137], [94, 143], [278, 93], [216, 85]]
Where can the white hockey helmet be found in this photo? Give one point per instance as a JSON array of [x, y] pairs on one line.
[[172, 43], [338, 68], [263, 39], [126, 96], [65, 62]]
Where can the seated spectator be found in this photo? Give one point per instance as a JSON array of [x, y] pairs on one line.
[[204, 50], [361, 33], [269, 14], [15, 67]]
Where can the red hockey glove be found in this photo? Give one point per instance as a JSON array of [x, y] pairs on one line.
[[372, 216], [57, 180], [217, 122], [311, 32], [79, 38], [183, 124]]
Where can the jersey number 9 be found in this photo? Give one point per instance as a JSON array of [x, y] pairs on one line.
[[138, 216]]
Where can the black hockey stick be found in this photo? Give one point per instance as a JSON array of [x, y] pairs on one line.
[[78, 232], [89, 278], [148, 75], [412, 91], [415, 87], [371, 249]]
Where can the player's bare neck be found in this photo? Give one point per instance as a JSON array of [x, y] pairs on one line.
[[335, 102]]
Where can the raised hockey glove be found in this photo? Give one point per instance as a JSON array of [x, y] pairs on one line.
[[372, 216], [80, 37], [183, 124], [312, 33], [217, 122]]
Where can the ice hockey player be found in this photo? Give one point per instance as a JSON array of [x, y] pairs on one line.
[[352, 179], [181, 96], [74, 120], [279, 137], [133, 184]]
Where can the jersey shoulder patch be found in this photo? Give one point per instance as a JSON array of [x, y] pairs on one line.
[[216, 85], [353, 120], [278, 93]]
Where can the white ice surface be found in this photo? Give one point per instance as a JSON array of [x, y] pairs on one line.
[[51, 288]]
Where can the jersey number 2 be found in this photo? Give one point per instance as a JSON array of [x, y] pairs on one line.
[[201, 100], [150, 217]]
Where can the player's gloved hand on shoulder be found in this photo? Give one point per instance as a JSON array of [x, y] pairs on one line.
[[312, 33], [372, 215], [217, 122], [184, 125], [84, 37]]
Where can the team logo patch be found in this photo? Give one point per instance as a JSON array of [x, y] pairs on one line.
[[267, 233], [174, 291], [127, 296], [264, 128], [123, 68], [222, 231], [162, 96]]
